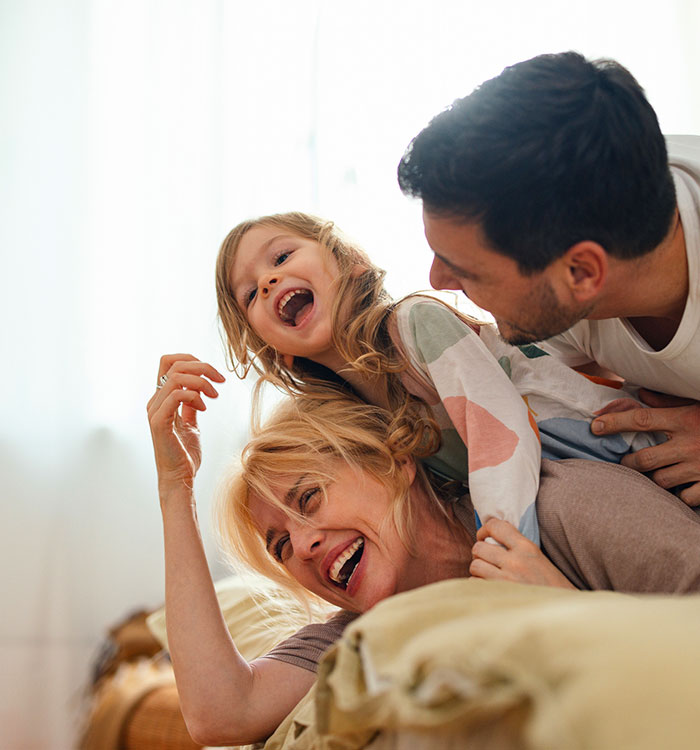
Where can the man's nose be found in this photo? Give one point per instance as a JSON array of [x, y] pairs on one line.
[[267, 285], [441, 277]]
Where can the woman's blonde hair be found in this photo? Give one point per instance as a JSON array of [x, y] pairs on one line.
[[306, 437]]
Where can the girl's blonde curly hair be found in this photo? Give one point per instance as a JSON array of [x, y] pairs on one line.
[[361, 338]]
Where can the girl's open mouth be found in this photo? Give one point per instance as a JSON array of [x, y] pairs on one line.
[[295, 306]]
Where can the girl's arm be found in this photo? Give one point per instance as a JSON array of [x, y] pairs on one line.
[[515, 558], [224, 699], [484, 408]]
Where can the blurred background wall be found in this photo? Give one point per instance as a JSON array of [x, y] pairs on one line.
[[134, 135]]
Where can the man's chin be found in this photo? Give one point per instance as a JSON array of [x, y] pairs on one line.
[[516, 336]]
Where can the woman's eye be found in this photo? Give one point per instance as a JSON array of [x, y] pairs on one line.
[[279, 548], [309, 500], [281, 258]]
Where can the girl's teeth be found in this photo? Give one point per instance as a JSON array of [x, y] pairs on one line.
[[284, 300]]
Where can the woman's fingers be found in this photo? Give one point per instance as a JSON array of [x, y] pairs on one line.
[[190, 373], [186, 363], [183, 381], [162, 396], [188, 414], [192, 382], [168, 360], [165, 412]]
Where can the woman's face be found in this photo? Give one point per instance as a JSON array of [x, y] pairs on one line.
[[285, 285], [345, 548]]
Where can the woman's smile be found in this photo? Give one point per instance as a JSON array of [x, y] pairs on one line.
[[342, 569], [333, 541]]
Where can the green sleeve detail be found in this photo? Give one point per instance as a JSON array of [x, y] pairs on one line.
[[504, 362], [532, 352], [451, 460], [434, 328]]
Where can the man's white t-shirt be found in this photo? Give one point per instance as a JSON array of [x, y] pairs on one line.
[[614, 344]]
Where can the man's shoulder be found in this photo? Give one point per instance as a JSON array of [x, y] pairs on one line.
[[679, 141], [684, 151]]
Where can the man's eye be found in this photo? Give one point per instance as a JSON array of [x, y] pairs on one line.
[[309, 500], [280, 548], [281, 258]]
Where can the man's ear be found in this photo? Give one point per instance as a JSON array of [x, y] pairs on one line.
[[585, 268]]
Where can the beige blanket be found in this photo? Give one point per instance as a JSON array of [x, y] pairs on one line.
[[472, 664]]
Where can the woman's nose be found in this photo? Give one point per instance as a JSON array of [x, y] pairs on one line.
[[267, 285], [306, 541]]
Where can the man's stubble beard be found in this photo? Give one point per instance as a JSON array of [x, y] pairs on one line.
[[549, 317]]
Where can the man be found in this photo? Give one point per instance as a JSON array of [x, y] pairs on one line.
[[549, 200]]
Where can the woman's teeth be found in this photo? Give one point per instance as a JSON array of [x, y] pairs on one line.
[[340, 572]]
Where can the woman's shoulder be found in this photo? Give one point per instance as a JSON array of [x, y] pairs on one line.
[[305, 647], [574, 491], [601, 524], [598, 503]]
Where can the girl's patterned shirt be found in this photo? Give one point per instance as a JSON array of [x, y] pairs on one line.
[[501, 407]]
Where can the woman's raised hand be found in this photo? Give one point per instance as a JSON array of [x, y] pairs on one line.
[[172, 415]]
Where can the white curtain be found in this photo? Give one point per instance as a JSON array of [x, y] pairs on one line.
[[134, 135]]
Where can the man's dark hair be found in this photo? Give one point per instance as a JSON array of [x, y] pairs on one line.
[[553, 151]]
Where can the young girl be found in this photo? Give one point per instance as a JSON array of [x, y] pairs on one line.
[[303, 306]]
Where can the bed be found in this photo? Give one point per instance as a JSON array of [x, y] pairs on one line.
[[495, 666]]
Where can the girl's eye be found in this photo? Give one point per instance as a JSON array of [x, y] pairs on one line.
[[282, 257], [309, 501], [250, 296], [279, 548]]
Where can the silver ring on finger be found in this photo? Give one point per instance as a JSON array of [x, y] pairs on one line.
[[162, 380]]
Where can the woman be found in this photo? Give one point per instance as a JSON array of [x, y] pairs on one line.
[[330, 501]]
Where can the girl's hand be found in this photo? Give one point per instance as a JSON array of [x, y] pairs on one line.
[[517, 560], [172, 415]]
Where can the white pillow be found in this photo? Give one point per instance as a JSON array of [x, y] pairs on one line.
[[259, 614]]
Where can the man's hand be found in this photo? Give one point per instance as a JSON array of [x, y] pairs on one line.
[[515, 558], [675, 462]]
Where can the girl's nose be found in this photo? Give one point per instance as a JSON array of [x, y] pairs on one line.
[[268, 285]]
